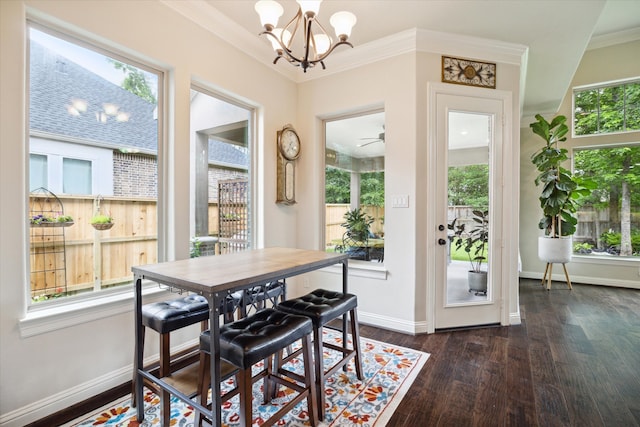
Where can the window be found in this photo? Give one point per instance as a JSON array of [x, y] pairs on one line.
[[37, 171], [606, 108], [76, 176], [221, 154], [93, 149], [609, 219], [354, 186]]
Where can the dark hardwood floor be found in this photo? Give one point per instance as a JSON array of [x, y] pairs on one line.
[[574, 361]]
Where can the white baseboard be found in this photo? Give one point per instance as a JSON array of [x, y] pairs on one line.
[[57, 402], [60, 401], [632, 284]]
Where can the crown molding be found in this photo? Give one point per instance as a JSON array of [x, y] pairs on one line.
[[212, 20], [611, 39], [412, 40], [470, 47]]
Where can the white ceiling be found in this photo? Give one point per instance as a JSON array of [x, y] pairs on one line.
[[556, 32]]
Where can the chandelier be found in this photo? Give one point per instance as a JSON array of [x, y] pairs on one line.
[[317, 44]]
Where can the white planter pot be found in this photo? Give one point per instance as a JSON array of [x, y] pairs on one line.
[[477, 281], [555, 250]]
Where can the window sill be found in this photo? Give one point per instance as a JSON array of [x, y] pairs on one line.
[[40, 320], [604, 259], [362, 269]]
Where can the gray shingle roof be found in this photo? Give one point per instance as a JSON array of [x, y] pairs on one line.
[[56, 81]]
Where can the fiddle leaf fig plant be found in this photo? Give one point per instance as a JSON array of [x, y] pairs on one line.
[[560, 188], [474, 241]]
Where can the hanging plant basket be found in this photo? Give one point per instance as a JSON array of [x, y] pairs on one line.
[[103, 226], [53, 224]]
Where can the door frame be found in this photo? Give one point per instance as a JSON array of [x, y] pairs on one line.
[[507, 275]]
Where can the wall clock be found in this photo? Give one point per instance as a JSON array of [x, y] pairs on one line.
[[288, 148], [468, 72]]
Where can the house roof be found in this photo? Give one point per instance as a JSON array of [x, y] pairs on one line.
[[56, 82]]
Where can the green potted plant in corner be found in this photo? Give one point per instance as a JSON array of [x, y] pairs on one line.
[[560, 191], [102, 222], [475, 243], [354, 240], [358, 224]]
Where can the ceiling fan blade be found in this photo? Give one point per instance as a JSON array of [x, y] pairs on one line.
[[364, 144]]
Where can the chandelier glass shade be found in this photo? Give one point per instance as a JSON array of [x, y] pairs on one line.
[[316, 43]]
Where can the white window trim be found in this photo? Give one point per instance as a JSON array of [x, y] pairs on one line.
[[44, 318], [361, 269], [583, 88]]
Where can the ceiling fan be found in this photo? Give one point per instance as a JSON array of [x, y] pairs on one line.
[[379, 138]]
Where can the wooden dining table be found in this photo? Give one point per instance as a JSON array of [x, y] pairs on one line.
[[215, 278]]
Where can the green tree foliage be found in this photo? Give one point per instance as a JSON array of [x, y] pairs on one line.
[[469, 185], [337, 185], [372, 188], [607, 109], [616, 172], [135, 81]]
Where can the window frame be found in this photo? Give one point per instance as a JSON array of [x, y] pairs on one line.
[[255, 233], [55, 314], [596, 258], [595, 86], [357, 268]]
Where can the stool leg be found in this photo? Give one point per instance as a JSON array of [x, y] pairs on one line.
[[204, 378], [246, 408], [310, 381], [319, 367], [355, 337], [165, 357], [165, 415]]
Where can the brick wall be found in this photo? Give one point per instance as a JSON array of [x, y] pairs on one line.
[[135, 175]]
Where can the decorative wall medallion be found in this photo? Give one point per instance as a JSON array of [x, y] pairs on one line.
[[468, 72]]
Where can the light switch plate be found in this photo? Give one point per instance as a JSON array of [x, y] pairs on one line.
[[400, 201]]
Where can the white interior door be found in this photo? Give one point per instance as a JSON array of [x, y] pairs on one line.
[[468, 158]]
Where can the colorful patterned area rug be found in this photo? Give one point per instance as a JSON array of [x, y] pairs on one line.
[[389, 371]]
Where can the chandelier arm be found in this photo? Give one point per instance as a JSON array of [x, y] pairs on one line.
[[324, 55], [295, 20]]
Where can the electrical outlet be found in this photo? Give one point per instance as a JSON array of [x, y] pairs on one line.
[[305, 283]]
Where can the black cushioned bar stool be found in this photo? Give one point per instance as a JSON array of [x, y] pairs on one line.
[[255, 338], [323, 306], [168, 316]]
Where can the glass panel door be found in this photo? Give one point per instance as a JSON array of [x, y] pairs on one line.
[[467, 264]]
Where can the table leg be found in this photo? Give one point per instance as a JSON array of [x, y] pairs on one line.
[[345, 277], [214, 349], [139, 345]]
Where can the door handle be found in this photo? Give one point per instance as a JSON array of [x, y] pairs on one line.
[[442, 242], [441, 227]]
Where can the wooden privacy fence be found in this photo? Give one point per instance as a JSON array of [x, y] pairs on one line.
[[79, 258], [94, 259], [335, 217]]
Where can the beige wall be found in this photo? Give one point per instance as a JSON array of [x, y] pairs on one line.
[[598, 65], [89, 352]]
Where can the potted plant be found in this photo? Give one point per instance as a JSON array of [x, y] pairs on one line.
[[355, 239], [49, 221], [357, 223], [475, 243], [102, 222], [560, 191]]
